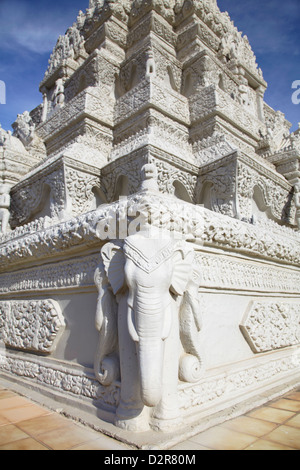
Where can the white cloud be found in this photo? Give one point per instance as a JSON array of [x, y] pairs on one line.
[[31, 25]]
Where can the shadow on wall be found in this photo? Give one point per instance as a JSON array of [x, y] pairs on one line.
[[79, 341]]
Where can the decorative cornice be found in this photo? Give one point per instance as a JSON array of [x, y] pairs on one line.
[[193, 222]]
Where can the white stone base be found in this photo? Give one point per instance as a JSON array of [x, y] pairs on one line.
[[224, 394]]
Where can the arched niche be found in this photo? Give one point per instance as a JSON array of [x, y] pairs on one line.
[[43, 206], [122, 187], [205, 196], [98, 199], [260, 209], [180, 192], [187, 88]]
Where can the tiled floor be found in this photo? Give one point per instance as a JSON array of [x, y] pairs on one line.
[[27, 426]]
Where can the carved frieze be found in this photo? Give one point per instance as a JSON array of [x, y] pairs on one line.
[[31, 325], [280, 243], [156, 95], [206, 392], [270, 325], [57, 377], [70, 274], [227, 272], [70, 184], [216, 388]]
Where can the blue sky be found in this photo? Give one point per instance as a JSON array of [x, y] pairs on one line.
[[29, 30]]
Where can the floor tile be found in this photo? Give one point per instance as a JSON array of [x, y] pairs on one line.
[[103, 443], [42, 424], [24, 444], [293, 396], [3, 421], [261, 444], [67, 437], [273, 415], [11, 433], [13, 402], [188, 445], [285, 435], [252, 426], [27, 426], [16, 415], [7, 394], [289, 405], [219, 438], [294, 422]]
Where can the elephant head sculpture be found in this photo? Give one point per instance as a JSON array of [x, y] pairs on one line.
[[149, 278]]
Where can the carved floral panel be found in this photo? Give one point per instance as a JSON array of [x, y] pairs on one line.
[[31, 325], [271, 325]]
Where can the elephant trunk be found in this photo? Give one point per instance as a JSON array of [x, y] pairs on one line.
[[151, 365], [150, 326]]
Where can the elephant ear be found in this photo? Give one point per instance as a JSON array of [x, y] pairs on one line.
[[182, 268], [114, 263]]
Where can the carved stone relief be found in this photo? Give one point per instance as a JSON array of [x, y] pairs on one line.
[[146, 339], [31, 325], [270, 325], [279, 243], [272, 196], [66, 183], [151, 110]]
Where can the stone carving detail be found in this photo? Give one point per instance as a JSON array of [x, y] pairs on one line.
[[229, 273], [222, 181], [67, 47], [211, 149], [35, 226], [297, 204], [155, 176], [80, 189], [70, 188], [217, 388], [24, 128], [64, 275], [58, 94], [4, 208], [148, 330], [276, 133], [208, 391], [31, 325], [271, 325], [57, 377], [235, 49], [28, 199], [275, 197], [168, 177], [194, 222]]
